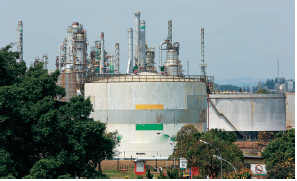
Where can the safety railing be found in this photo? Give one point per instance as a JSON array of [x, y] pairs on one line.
[[150, 78]]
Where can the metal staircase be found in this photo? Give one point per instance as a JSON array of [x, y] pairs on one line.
[[230, 122]]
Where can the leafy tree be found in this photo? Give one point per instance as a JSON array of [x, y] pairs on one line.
[[280, 155], [262, 91], [269, 83], [201, 155], [42, 137], [183, 136]]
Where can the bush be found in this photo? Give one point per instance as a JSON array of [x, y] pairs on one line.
[[148, 174]]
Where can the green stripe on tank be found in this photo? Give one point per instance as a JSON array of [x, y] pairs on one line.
[[142, 27], [149, 127]]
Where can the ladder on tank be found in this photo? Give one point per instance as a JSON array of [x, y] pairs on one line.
[[230, 122]]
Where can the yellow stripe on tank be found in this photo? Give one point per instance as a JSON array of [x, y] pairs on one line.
[[149, 106]]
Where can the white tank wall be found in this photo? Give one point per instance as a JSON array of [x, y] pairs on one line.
[[114, 104], [147, 142], [290, 109], [249, 112], [125, 95]]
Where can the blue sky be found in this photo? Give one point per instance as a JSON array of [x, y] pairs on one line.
[[243, 38]]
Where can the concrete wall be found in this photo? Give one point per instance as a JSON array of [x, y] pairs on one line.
[[290, 110], [176, 104]]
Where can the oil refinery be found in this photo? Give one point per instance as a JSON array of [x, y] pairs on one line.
[[156, 97]]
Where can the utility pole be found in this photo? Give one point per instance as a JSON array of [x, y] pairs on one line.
[[188, 72], [277, 76]]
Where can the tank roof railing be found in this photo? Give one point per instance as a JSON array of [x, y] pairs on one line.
[[112, 78]]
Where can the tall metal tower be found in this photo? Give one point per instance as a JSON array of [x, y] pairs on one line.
[[202, 65], [137, 35], [117, 57], [170, 30]]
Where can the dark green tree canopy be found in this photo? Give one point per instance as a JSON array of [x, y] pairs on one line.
[[280, 155], [42, 137]]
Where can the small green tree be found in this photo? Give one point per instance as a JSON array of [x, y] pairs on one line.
[[240, 89], [280, 155], [174, 173], [262, 91], [148, 174]]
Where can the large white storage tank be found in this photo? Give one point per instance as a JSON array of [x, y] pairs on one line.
[[148, 104], [248, 114]]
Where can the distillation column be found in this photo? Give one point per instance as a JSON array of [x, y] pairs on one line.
[[20, 41], [137, 31], [142, 56], [130, 51], [45, 61]]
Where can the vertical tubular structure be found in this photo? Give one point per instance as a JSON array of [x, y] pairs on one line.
[[20, 41], [117, 57], [130, 51], [45, 58], [102, 53], [142, 57], [170, 30], [60, 57], [203, 66], [137, 31], [277, 76], [160, 53]]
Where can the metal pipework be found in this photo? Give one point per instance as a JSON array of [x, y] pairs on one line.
[[102, 53], [142, 56], [130, 51], [117, 57], [160, 52], [60, 56], [137, 31], [170, 30], [20, 41]]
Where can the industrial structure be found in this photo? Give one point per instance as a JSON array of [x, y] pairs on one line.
[[73, 59], [37, 60], [144, 55], [143, 102], [147, 100], [20, 40]]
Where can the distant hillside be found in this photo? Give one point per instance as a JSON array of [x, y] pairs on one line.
[[240, 81]]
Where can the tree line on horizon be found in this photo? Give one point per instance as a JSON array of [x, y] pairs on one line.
[[270, 83]]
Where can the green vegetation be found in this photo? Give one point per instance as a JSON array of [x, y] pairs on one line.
[[201, 155], [42, 137], [262, 91], [280, 155]]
